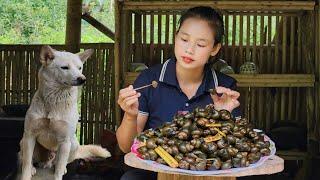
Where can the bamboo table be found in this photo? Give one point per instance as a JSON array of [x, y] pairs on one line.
[[273, 165]]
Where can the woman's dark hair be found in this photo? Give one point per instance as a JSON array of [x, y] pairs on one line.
[[208, 14]]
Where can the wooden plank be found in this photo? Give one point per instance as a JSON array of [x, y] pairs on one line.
[[117, 58], [222, 5], [265, 13], [259, 80]]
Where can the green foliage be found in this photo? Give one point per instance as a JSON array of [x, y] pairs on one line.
[[44, 21]]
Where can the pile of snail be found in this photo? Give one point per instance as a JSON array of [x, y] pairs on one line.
[[205, 139]]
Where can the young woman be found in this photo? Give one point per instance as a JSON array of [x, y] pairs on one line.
[[183, 81]]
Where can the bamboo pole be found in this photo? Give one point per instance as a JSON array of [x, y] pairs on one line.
[[308, 51], [137, 37], [317, 70], [226, 36], [2, 78], [298, 69], [269, 98], [252, 93], [291, 67], [25, 74], [174, 27], [166, 40], [8, 77], [222, 5], [241, 40], [73, 26], [283, 66], [151, 50], [144, 43], [99, 26], [276, 70], [248, 57], [233, 61]]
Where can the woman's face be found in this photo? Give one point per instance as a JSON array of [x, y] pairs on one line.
[[194, 44]]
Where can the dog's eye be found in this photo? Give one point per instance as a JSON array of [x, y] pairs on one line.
[[80, 68], [64, 67]]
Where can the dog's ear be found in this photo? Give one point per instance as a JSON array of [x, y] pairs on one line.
[[46, 55], [85, 54]]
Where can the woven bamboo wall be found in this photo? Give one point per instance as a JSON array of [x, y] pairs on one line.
[[19, 66]]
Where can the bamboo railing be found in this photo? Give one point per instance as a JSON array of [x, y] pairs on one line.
[[19, 66]]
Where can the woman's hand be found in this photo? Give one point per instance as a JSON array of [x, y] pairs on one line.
[[128, 101], [228, 100]]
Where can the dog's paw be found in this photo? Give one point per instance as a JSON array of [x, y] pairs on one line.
[[33, 171]]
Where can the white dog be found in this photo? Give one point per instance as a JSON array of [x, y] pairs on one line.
[[50, 124]]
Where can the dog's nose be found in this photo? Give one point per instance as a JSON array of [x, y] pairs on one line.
[[81, 80]]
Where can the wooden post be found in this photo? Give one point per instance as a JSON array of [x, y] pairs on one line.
[[308, 51], [117, 60], [317, 73], [73, 26]]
